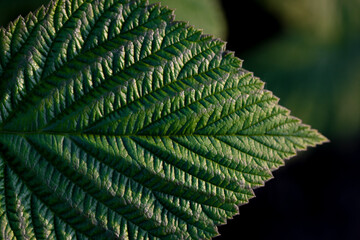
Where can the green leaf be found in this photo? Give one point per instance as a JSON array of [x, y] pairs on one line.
[[118, 123]]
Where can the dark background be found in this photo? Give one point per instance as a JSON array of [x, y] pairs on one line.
[[308, 53]]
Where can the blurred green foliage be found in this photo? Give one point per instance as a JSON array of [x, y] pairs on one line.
[[203, 14], [326, 21], [314, 65]]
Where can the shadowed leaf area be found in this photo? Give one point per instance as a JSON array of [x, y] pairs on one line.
[[116, 122]]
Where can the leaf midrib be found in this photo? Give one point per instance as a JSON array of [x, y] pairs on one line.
[[56, 133]]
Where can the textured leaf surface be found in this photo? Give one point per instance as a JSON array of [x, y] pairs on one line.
[[118, 123]]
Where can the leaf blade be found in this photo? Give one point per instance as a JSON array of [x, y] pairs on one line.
[[126, 124]]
